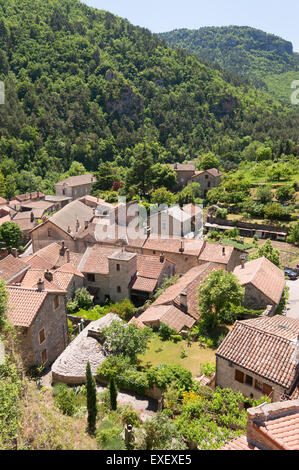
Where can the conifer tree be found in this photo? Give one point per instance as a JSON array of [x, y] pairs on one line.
[[113, 393], [91, 400]]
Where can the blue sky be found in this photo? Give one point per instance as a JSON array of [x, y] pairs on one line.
[[273, 16]]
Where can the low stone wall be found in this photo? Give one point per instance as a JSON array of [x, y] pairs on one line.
[[155, 393], [248, 225]]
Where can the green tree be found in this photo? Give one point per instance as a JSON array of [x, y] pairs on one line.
[[106, 175], [264, 194], [91, 399], [11, 235], [162, 196], [268, 251], [207, 161], [273, 211], [189, 194], [285, 193], [264, 153], [113, 393], [293, 236], [218, 293], [3, 302], [163, 175], [126, 340], [76, 169], [140, 173], [2, 185]]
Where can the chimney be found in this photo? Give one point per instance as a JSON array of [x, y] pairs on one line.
[[243, 258], [49, 275], [182, 249], [183, 300], [69, 229], [32, 217], [62, 249], [175, 166], [162, 258], [14, 252], [68, 257], [77, 225], [86, 223], [30, 195], [37, 194], [223, 251], [40, 285]]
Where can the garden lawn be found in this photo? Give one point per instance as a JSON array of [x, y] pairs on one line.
[[168, 352]]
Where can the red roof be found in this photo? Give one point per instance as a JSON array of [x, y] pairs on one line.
[[10, 267], [264, 346], [23, 305]]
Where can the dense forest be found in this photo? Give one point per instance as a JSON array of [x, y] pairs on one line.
[[268, 61], [84, 85]]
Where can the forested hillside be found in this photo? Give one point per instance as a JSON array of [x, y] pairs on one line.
[[267, 60], [84, 85]]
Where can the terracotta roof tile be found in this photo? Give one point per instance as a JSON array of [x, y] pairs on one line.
[[10, 267], [264, 346], [150, 266], [168, 314], [95, 259], [240, 443], [77, 180], [284, 430], [216, 253], [144, 284], [173, 245], [263, 275], [23, 305]]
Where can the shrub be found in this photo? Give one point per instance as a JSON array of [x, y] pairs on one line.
[[129, 416], [176, 338], [64, 399], [208, 368], [108, 437], [165, 332]]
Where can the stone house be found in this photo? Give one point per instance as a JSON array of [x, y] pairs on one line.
[[261, 357], [184, 173], [272, 426], [115, 274], [40, 318], [52, 257], [207, 179], [264, 283], [176, 221], [63, 225], [75, 186], [178, 305]]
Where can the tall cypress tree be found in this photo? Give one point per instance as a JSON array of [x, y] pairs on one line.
[[113, 393], [91, 400]]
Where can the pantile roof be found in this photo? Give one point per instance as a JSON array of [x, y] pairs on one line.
[[77, 180], [264, 346], [216, 253], [264, 276], [284, 430], [169, 314], [53, 256], [182, 166], [189, 284], [23, 305], [144, 284], [240, 443], [10, 267], [95, 259], [173, 245]]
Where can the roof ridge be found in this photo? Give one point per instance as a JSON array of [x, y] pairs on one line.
[[242, 322]]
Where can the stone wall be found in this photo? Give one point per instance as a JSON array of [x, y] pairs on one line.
[[54, 322], [41, 237], [225, 378]]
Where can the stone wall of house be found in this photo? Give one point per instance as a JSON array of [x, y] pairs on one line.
[[234, 261], [225, 378], [54, 323], [183, 178], [75, 192], [183, 262], [119, 281], [77, 283], [206, 182], [48, 233], [100, 286], [255, 299]]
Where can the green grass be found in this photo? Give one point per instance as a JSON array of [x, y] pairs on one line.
[[167, 352]]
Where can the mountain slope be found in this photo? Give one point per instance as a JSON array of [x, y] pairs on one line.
[[247, 51], [83, 84]]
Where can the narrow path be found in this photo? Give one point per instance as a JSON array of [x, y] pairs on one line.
[[146, 405]]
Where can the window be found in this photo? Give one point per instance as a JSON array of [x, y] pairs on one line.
[[44, 356], [56, 302], [49, 232], [91, 277], [239, 376], [118, 289], [118, 267], [249, 380], [42, 336], [267, 390], [258, 385]]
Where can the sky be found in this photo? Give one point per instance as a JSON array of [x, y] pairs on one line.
[[273, 16]]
